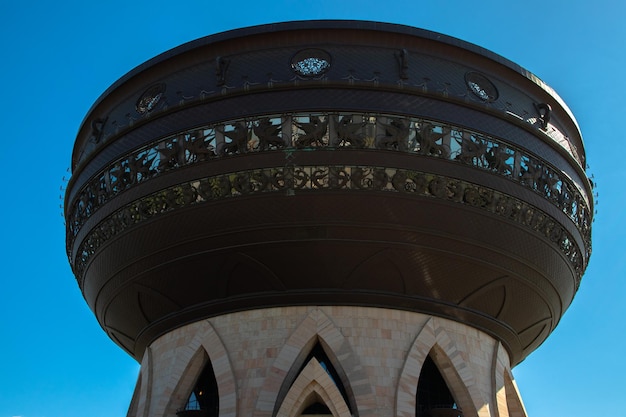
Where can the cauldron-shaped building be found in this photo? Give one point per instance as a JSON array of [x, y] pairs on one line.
[[328, 217]]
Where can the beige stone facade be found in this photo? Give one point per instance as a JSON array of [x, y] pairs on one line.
[[258, 358]]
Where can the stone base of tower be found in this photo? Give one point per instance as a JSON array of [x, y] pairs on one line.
[[325, 360]]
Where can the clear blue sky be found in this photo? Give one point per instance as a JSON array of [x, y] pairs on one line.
[[58, 57]]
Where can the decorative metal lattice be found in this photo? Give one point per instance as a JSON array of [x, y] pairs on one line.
[[337, 131], [357, 178]]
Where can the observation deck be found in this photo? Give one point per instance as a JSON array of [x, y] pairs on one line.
[[329, 163]]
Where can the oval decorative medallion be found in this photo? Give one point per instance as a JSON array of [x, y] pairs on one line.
[[310, 62], [481, 86], [150, 98]]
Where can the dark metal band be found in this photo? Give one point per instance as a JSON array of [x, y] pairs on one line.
[[420, 137], [291, 180]]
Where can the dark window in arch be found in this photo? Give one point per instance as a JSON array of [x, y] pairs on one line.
[[317, 409], [434, 398], [320, 355], [204, 398]]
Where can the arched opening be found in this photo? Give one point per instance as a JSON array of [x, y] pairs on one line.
[[317, 389], [515, 407], [317, 409], [434, 398], [314, 393], [320, 355], [204, 397]]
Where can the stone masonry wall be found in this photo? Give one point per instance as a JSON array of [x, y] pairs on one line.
[[256, 356]]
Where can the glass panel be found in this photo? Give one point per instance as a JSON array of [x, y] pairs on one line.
[[204, 396], [433, 395]]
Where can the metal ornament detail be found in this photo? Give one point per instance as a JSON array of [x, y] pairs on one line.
[[403, 62], [481, 87], [544, 110], [221, 68], [311, 62], [290, 179], [150, 98], [420, 137]]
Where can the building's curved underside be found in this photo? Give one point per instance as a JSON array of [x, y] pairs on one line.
[[329, 163]]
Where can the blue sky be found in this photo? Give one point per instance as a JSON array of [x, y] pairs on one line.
[[58, 57]]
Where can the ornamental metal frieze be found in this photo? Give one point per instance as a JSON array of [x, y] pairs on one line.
[[292, 179], [336, 131]]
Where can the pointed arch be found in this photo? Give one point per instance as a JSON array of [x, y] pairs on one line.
[[500, 365], [514, 402], [315, 327], [432, 390], [185, 381], [457, 375], [318, 354], [204, 394], [324, 355], [434, 341], [313, 384], [189, 360]]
